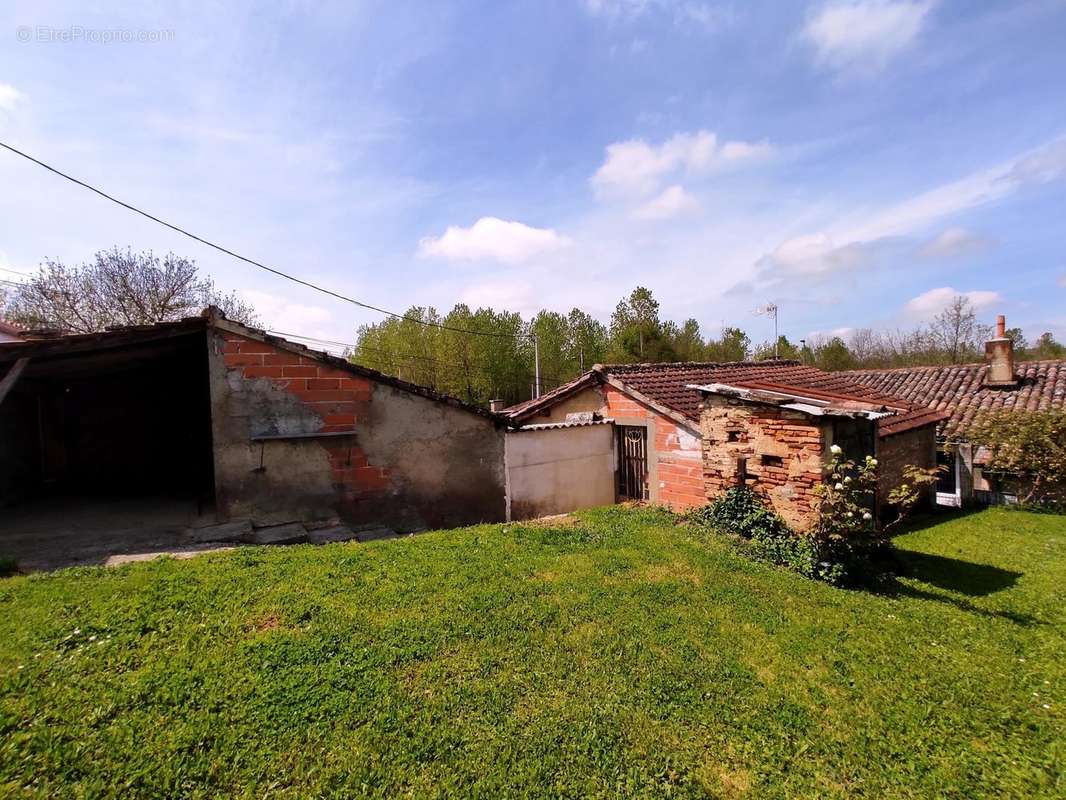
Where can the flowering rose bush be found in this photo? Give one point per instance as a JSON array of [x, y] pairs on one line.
[[846, 537]]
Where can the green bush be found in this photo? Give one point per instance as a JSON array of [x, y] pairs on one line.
[[843, 555], [8, 566], [739, 511]]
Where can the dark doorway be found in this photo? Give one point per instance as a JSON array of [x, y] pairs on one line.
[[946, 481], [632, 462], [105, 449]]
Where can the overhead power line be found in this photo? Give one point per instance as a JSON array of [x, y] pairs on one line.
[[252, 261]]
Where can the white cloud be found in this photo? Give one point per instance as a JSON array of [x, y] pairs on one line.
[[9, 97], [864, 35], [817, 253], [281, 314], [494, 239], [636, 167], [954, 243], [852, 243], [671, 202], [935, 300]]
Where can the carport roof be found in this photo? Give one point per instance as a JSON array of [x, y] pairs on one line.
[[59, 346]]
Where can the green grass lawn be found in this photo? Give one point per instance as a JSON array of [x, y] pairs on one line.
[[620, 656]]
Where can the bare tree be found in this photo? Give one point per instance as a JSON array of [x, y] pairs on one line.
[[956, 332], [120, 288]]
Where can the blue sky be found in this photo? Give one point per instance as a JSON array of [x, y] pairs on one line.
[[856, 162]]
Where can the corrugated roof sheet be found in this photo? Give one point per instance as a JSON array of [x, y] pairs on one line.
[[959, 390]]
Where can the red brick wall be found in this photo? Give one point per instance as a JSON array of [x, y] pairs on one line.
[[675, 469], [917, 447], [339, 399]]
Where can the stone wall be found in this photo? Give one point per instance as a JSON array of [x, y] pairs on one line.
[[776, 452]]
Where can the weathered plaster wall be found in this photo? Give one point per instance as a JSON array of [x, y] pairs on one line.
[[297, 439], [559, 470], [777, 452], [591, 399]]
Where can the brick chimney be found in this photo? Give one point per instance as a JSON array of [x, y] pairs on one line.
[[497, 405], [999, 353]]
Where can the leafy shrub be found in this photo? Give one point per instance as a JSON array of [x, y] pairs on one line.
[[1029, 446], [739, 511], [845, 547], [8, 566], [742, 511]]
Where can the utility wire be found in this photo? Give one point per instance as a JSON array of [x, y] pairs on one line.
[[251, 261]]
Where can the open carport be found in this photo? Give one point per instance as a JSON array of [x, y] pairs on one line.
[[106, 443]]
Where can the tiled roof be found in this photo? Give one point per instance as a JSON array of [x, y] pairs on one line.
[[669, 384], [960, 391]]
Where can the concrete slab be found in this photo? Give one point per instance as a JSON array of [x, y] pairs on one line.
[[336, 533], [289, 533], [223, 532]]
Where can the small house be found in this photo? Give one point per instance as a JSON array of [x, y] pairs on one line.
[[963, 392], [686, 432]]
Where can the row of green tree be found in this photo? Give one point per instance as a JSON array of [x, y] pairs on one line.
[[499, 363], [488, 354], [485, 354]]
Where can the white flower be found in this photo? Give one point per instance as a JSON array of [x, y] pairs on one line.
[[839, 486], [835, 450], [850, 514], [873, 461], [867, 516]]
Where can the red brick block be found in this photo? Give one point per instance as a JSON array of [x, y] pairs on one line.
[[323, 383], [301, 372], [369, 478], [281, 360], [242, 359], [332, 420], [356, 384], [248, 346], [263, 372], [322, 395]]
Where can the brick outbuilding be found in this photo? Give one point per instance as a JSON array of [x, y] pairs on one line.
[[205, 421], [686, 432]]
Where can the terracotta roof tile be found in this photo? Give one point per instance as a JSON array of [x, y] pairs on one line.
[[959, 390], [669, 384]]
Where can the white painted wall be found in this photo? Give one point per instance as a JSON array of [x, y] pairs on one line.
[[554, 471]]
